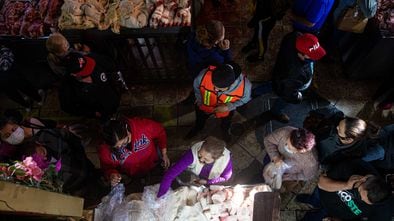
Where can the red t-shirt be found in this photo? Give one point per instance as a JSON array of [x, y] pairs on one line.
[[138, 157]]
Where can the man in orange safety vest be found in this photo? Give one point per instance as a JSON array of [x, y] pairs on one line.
[[219, 90]]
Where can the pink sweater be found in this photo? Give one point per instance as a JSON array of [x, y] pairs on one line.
[[304, 166]]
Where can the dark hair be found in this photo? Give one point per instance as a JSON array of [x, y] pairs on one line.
[[10, 116], [209, 33], [214, 146], [115, 130], [223, 76], [302, 139], [355, 128], [378, 190]]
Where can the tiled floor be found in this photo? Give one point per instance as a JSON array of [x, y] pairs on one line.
[[162, 102]]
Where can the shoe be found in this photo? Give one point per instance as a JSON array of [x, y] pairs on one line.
[[307, 199], [250, 46], [283, 118], [42, 94], [192, 133], [253, 58]]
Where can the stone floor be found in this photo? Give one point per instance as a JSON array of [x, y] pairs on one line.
[[163, 102]]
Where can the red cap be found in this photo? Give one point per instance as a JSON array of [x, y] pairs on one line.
[[308, 44], [80, 65]]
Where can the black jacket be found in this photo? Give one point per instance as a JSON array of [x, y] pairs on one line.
[[85, 99], [290, 73]]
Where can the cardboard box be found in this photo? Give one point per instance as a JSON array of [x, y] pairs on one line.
[[23, 199]]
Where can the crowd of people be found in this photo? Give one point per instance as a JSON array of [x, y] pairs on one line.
[[349, 155]]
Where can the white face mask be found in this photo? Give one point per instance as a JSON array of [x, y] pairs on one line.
[[288, 150], [16, 137]]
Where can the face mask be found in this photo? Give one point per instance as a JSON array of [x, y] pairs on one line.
[[287, 149], [16, 137]]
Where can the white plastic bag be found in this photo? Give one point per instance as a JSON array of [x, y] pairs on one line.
[[114, 199], [273, 173]]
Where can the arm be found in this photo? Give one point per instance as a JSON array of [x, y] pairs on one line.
[[160, 138], [226, 174], [271, 142], [245, 99], [196, 87], [107, 164], [174, 171], [330, 185], [158, 134]]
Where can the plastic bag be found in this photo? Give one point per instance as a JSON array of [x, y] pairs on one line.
[[114, 199], [273, 173]]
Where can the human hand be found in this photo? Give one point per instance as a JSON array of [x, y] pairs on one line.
[[201, 181], [352, 180], [166, 161], [276, 159], [224, 45], [115, 178], [221, 108]]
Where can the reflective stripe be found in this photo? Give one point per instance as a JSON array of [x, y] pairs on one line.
[[207, 96], [228, 99]]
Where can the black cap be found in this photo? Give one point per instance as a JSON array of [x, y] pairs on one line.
[[223, 76]]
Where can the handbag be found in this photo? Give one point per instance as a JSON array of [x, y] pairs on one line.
[[352, 20]]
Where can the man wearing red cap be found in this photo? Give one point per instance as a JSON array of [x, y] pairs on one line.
[[293, 70], [86, 89]]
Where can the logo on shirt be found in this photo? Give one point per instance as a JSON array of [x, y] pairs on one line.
[[141, 143], [121, 154], [103, 77], [347, 198]]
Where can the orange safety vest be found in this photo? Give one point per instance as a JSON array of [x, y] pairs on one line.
[[210, 98]]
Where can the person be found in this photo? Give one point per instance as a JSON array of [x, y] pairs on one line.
[[87, 90], [309, 16], [132, 146], [386, 141], [207, 46], [59, 143], [352, 190], [293, 70], [263, 21], [350, 138], [219, 90], [294, 147], [209, 159], [58, 47], [14, 84]]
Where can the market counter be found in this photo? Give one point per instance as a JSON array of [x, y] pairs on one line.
[[21, 199]]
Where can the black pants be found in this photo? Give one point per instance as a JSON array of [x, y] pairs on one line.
[[262, 29], [201, 118]]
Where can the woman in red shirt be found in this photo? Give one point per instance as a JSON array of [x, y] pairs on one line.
[[131, 147]]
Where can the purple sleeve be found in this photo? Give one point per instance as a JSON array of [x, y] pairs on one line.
[[174, 171], [226, 174]]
